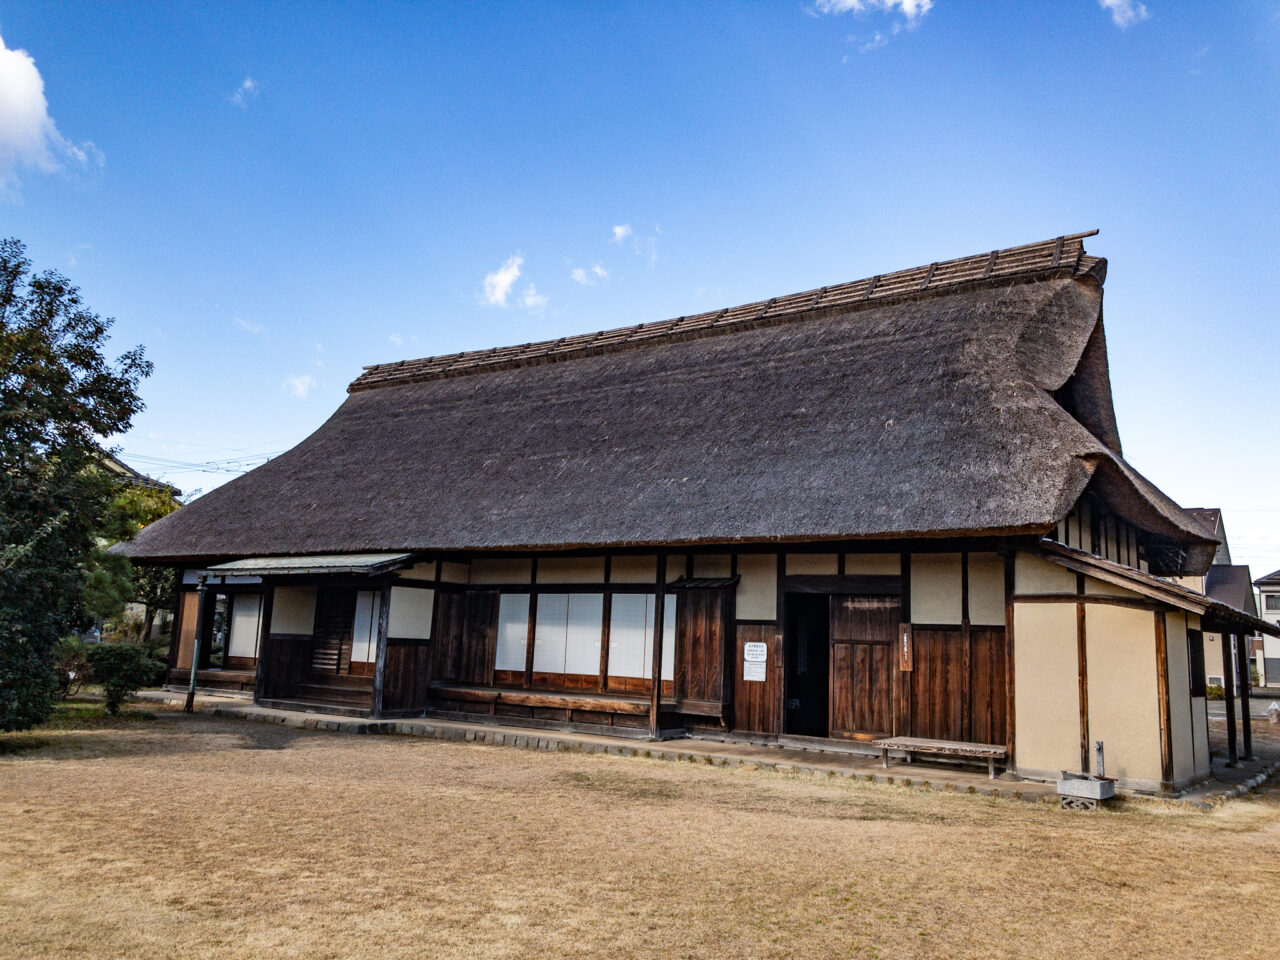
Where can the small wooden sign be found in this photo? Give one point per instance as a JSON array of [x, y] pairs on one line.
[[904, 647]]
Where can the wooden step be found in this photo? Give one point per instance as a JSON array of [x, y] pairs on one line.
[[325, 693]]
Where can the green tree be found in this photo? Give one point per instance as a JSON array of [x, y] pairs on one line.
[[58, 395], [121, 668], [110, 580]]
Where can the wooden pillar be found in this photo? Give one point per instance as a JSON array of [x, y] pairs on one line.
[[380, 661], [1229, 689], [260, 679], [201, 590], [1010, 679], [1082, 674], [1244, 682], [659, 615], [1162, 691]]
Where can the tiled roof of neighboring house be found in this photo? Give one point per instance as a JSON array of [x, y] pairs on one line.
[[1211, 518], [1271, 579], [1232, 586], [967, 397], [126, 474]]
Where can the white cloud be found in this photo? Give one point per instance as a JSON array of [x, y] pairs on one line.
[[28, 136], [396, 339], [875, 43], [621, 232], [912, 10], [531, 299], [498, 284], [244, 324], [244, 93], [587, 278], [300, 386], [1125, 13]]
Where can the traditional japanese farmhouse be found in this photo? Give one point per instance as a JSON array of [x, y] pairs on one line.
[[892, 508]]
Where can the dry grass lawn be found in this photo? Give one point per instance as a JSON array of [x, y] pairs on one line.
[[202, 838]]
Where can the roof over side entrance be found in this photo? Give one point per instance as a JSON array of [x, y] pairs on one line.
[[962, 397]]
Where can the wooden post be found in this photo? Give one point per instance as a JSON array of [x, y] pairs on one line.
[[1229, 688], [659, 615], [380, 661], [260, 679], [1082, 673], [1010, 679], [201, 590], [1162, 691], [1244, 682]]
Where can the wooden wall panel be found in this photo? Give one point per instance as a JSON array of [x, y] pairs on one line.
[[406, 676], [757, 705], [988, 686], [284, 661], [448, 631], [704, 620], [188, 605], [937, 684], [863, 663], [479, 637]]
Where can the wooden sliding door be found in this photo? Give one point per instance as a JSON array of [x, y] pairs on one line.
[[863, 635]]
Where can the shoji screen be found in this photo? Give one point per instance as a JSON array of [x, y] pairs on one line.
[[364, 629], [246, 617], [631, 627], [568, 633], [513, 631]]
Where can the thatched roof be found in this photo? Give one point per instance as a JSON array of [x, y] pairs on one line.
[[965, 397]]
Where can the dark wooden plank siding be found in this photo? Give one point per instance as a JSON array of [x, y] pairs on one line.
[[757, 705], [988, 677], [447, 630], [704, 621], [406, 676]]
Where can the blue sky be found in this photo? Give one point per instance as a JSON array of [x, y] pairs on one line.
[[270, 196]]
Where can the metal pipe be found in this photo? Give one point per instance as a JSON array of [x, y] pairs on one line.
[[201, 590]]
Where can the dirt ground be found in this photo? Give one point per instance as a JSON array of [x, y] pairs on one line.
[[192, 837]]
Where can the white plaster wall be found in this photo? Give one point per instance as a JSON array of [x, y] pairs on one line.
[[758, 589], [410, 615], [1124, 704], [873, 564], [1034, 575], [501, 570], [813, 564], [936, 588], [1046, 688], [293, 610], [633, 570], [986, 589], [571, 570]]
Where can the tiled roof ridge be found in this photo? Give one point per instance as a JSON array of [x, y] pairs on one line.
[[1063, 255]]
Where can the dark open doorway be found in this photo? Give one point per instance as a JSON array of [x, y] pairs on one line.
[[807, 641]]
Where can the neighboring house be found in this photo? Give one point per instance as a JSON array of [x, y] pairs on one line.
[[1229, 583], [125, 474], [896, 506], [1269, 599]]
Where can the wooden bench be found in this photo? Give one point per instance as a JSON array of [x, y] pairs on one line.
[[990, 752]]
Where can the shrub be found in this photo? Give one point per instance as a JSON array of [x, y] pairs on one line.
[[72, 665], [121, 668], [1215, 691]]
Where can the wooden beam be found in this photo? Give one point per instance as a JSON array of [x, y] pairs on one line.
[[1244, 681], [1102, 599], [1162, 691], [659, 615], [1229, 687]]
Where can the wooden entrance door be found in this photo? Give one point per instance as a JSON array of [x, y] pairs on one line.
[[863, 635]]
